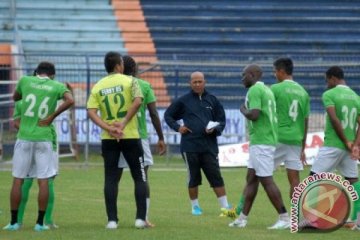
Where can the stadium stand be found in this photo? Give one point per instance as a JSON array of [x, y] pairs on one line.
[[131, 21], [221, 37]]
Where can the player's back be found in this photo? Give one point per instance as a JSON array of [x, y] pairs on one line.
[[39, 100], [292, 107], [347, 107], [112, 95], [263, 130]]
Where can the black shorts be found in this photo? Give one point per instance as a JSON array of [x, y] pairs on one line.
[[209, 163]]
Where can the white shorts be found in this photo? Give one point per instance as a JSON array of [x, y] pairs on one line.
[[331, 158], [32, 172], [289, 155], [148, 159], [261, 159], [33, 159]]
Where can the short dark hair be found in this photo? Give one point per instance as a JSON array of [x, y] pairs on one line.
[[130, 67], [335, 71], [111, 60], [285, 64], [47, 68]]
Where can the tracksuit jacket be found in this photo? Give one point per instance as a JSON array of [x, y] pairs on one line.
[[196, 111]]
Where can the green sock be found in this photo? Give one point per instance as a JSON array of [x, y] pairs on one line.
[[50, 205], [240, 205], [25, 189], [356, 204]]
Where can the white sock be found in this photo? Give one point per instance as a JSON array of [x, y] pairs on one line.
[[284, 216], [242, 216], [147, 208], [195, 202], [223, 202]]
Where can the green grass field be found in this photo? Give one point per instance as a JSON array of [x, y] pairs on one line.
[[80, 212]]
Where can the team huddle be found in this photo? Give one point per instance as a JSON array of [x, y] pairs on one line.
[[277, 123]]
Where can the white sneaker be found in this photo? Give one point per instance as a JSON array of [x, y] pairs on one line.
[[240, 223], [356, 227], [280, 224], [140, 224], [112, 225]]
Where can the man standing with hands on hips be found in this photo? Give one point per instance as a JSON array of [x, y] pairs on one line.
[[204, 119]]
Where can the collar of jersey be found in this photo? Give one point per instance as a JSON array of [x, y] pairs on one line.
[[259, 82], [42, 78], [342, 85]]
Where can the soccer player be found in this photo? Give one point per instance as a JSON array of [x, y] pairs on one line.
[[118, 98], [342, 106], [259, 109], [149, 102], [293, 109], [33, 148], [27, 184], [199, 146]]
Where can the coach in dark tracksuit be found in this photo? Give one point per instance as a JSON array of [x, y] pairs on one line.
[[199, 146]]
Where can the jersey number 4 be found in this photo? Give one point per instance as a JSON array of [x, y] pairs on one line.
[[293, 110]]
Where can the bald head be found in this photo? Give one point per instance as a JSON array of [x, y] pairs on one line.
[[197, 75], [197, 82], [251, 74]]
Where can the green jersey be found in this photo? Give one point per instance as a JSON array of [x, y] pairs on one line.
[[347, 107], [292, 108], [149, 97], [39, 100], [17, 114], [262, 131]]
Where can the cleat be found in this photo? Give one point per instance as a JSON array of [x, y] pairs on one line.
[[12, 227], [52, 226], [240, 223], [228, 212], [196, 211], [41, 228], [356, 227], [111, 225], [141, 224], [149, 224], [280, 224]]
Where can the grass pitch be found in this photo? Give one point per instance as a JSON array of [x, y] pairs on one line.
[[80, 211]]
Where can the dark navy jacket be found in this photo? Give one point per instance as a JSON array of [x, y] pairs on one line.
[[196, 112]]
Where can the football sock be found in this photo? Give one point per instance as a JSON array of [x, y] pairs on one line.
[[25, 189], [40, 219], [50, 205], [195, 202], [356, 204], [14, 214], [223, 201]]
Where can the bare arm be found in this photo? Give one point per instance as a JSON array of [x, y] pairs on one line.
[[17, 123], [355, 151], [306, 126], [335, 122], [16, 96], [252, 114], [67, 103], [157, 125]]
